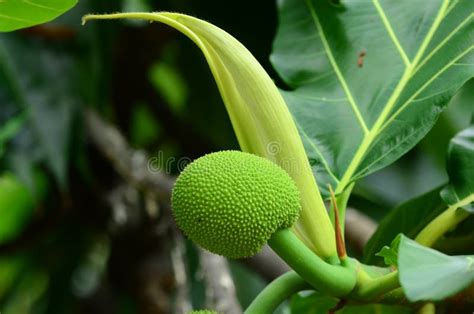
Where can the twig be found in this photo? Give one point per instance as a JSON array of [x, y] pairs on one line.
[[220, 288]]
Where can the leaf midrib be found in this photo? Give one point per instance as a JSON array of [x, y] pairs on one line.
[[42, 6], [391, 32], [316, 150]]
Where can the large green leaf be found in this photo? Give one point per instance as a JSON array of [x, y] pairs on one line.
[[368, 79], [461, 170], [16, 14], [426, 274]]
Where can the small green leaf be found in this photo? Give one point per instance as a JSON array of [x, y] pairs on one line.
[[17, 204], [390, 253], [168, 81], [144, 128], [461, 170], [426, 274], [10, 129], [20, 14]]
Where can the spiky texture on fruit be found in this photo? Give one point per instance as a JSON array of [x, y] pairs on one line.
[[231, 202]]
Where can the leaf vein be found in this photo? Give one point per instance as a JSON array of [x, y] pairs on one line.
[[405, 104], [374, 132], [445, 40], [336, 69], [34, 4], [13, 18], [391, 32], [361, 172], [315, 148]]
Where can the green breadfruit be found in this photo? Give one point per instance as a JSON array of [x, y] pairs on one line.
[[231, 202], [203, 312]]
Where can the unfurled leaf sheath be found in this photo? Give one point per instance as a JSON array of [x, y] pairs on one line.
[[260, 118]]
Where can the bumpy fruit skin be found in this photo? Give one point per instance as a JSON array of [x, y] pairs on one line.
[[231, 202], [203, 312]]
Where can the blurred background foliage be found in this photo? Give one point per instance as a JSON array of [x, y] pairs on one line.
[[64, 247]]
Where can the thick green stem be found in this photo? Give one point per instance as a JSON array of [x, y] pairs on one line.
[[373, 288], [447, 220], [335, 280], [276, 292]]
